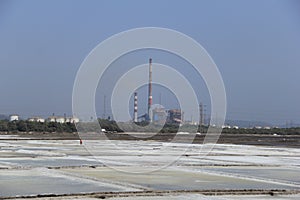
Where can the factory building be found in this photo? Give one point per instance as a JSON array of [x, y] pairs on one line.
[[159, 115], [174, 116]]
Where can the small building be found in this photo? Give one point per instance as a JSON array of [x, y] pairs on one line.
[[13, 117], [36, 119]]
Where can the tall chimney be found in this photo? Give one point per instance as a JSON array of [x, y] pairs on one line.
[[135, 114], [150, 89]]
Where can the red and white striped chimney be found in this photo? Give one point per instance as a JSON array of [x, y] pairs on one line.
[[135, 111], [150, 88]]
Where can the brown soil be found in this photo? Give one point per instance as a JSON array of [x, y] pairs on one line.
[[225, 138]]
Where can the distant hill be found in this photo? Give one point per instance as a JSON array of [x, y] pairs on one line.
[[247, 124], [2, 117]]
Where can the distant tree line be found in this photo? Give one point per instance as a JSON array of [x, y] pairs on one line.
[[28, 126], [113, 126], [278, 131], [51, 127]]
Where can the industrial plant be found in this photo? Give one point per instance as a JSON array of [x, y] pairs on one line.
[[156, 114]]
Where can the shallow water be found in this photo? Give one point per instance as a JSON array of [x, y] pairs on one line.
[[226, 167], [288, 175], [177, 179], [36, 181]]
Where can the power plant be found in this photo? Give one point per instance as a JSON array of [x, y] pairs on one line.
[[157, 114]]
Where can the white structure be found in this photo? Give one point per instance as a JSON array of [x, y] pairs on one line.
[[226, 126], [56, 119], [72, 120], [51, 119], [13, 118], [36, 119], [59, 119]]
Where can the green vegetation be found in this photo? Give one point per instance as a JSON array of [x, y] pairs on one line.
[[27, 126], [108, 125], [112, 126], [278, 131]]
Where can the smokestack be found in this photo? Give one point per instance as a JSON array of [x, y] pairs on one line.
[[135, 114], [150, 88]]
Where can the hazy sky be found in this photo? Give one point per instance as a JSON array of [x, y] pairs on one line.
[[255, 44]]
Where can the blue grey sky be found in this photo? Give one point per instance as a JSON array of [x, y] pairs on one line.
[[255, 44]]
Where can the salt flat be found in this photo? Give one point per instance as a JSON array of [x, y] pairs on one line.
[[158, 169]]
